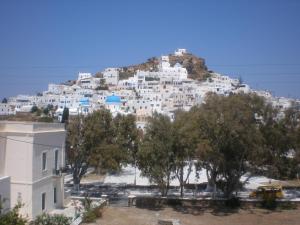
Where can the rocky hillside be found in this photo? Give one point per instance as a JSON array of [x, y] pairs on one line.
[[195, 66]]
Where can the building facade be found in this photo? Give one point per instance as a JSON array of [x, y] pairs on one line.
[[32, 154]]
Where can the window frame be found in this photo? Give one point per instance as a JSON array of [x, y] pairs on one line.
[[43, 201], [54, 195], [44, 166]]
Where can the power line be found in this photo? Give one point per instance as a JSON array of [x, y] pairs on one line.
[[27, 142]]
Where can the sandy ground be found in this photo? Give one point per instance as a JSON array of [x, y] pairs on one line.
[[92, 177], [136, 216]]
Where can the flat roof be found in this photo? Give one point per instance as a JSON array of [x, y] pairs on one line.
[[26, 126]]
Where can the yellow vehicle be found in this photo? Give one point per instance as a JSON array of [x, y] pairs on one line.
[[267, 191]]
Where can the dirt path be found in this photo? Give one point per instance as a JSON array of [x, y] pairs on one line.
[[136, 216]]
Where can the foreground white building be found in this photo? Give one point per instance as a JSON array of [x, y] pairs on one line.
[[4, 193], [31, 155]]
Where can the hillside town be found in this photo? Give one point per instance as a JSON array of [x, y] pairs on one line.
[[164, 90], [149, 112], [43, 182]]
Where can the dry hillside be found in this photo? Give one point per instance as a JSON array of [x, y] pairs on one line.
[[195, 66]]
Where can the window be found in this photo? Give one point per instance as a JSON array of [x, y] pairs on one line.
[[19, 199], [44, 161], [43, 201], [54, 195], [56, 160]]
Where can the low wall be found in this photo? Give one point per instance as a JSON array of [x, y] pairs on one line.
[[157, 202]]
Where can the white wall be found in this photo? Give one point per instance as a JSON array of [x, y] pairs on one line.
[[22, 161], [5, 193], [5, 109]]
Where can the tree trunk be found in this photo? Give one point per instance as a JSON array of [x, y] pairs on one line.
[[211, 183], [181, 182], [76, 182]]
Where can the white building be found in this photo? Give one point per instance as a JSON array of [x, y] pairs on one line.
[[6, 109], [180, 51], [31, 155], [111, 76], [4, 193], [176, 72], [87, 81]]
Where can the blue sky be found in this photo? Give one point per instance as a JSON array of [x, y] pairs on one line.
[[51, 41]]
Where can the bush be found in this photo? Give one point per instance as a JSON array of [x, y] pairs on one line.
[[13, 217], [174, 202], [45, 119], [34, 109], [148, 202], [46, 111], [288, 206], [91, 213], [233, 203], [89, 216], [46, 219], [269, 202], [98, 211]]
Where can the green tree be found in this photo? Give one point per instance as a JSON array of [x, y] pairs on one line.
[[229, 138], [101, 139], [92, 141], [34, 109], [4, 100], [277, 144], [156, 155], [292, 124], [184, 147], [76, 151], [46, 111], [127, 138], [65, 115]]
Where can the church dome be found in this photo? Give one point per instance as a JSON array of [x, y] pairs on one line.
[[84, 102], [113, 99]]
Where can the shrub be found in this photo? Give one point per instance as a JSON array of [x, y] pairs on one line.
[[46, 111], [148, 202], [269, 201], [98, 211], [233, 202], [13, 217], [46, 219], [34, 109], [89, 216], [288, 206], [174, 202], [91, 212], [45, 119]]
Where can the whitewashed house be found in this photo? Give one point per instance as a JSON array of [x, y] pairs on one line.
[[4, 193], [180, 51], [6, 109], [111, 76], [87, 81], [31, 155]]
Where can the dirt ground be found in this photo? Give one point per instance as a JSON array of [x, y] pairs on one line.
[[92, 177], [137, 216]]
